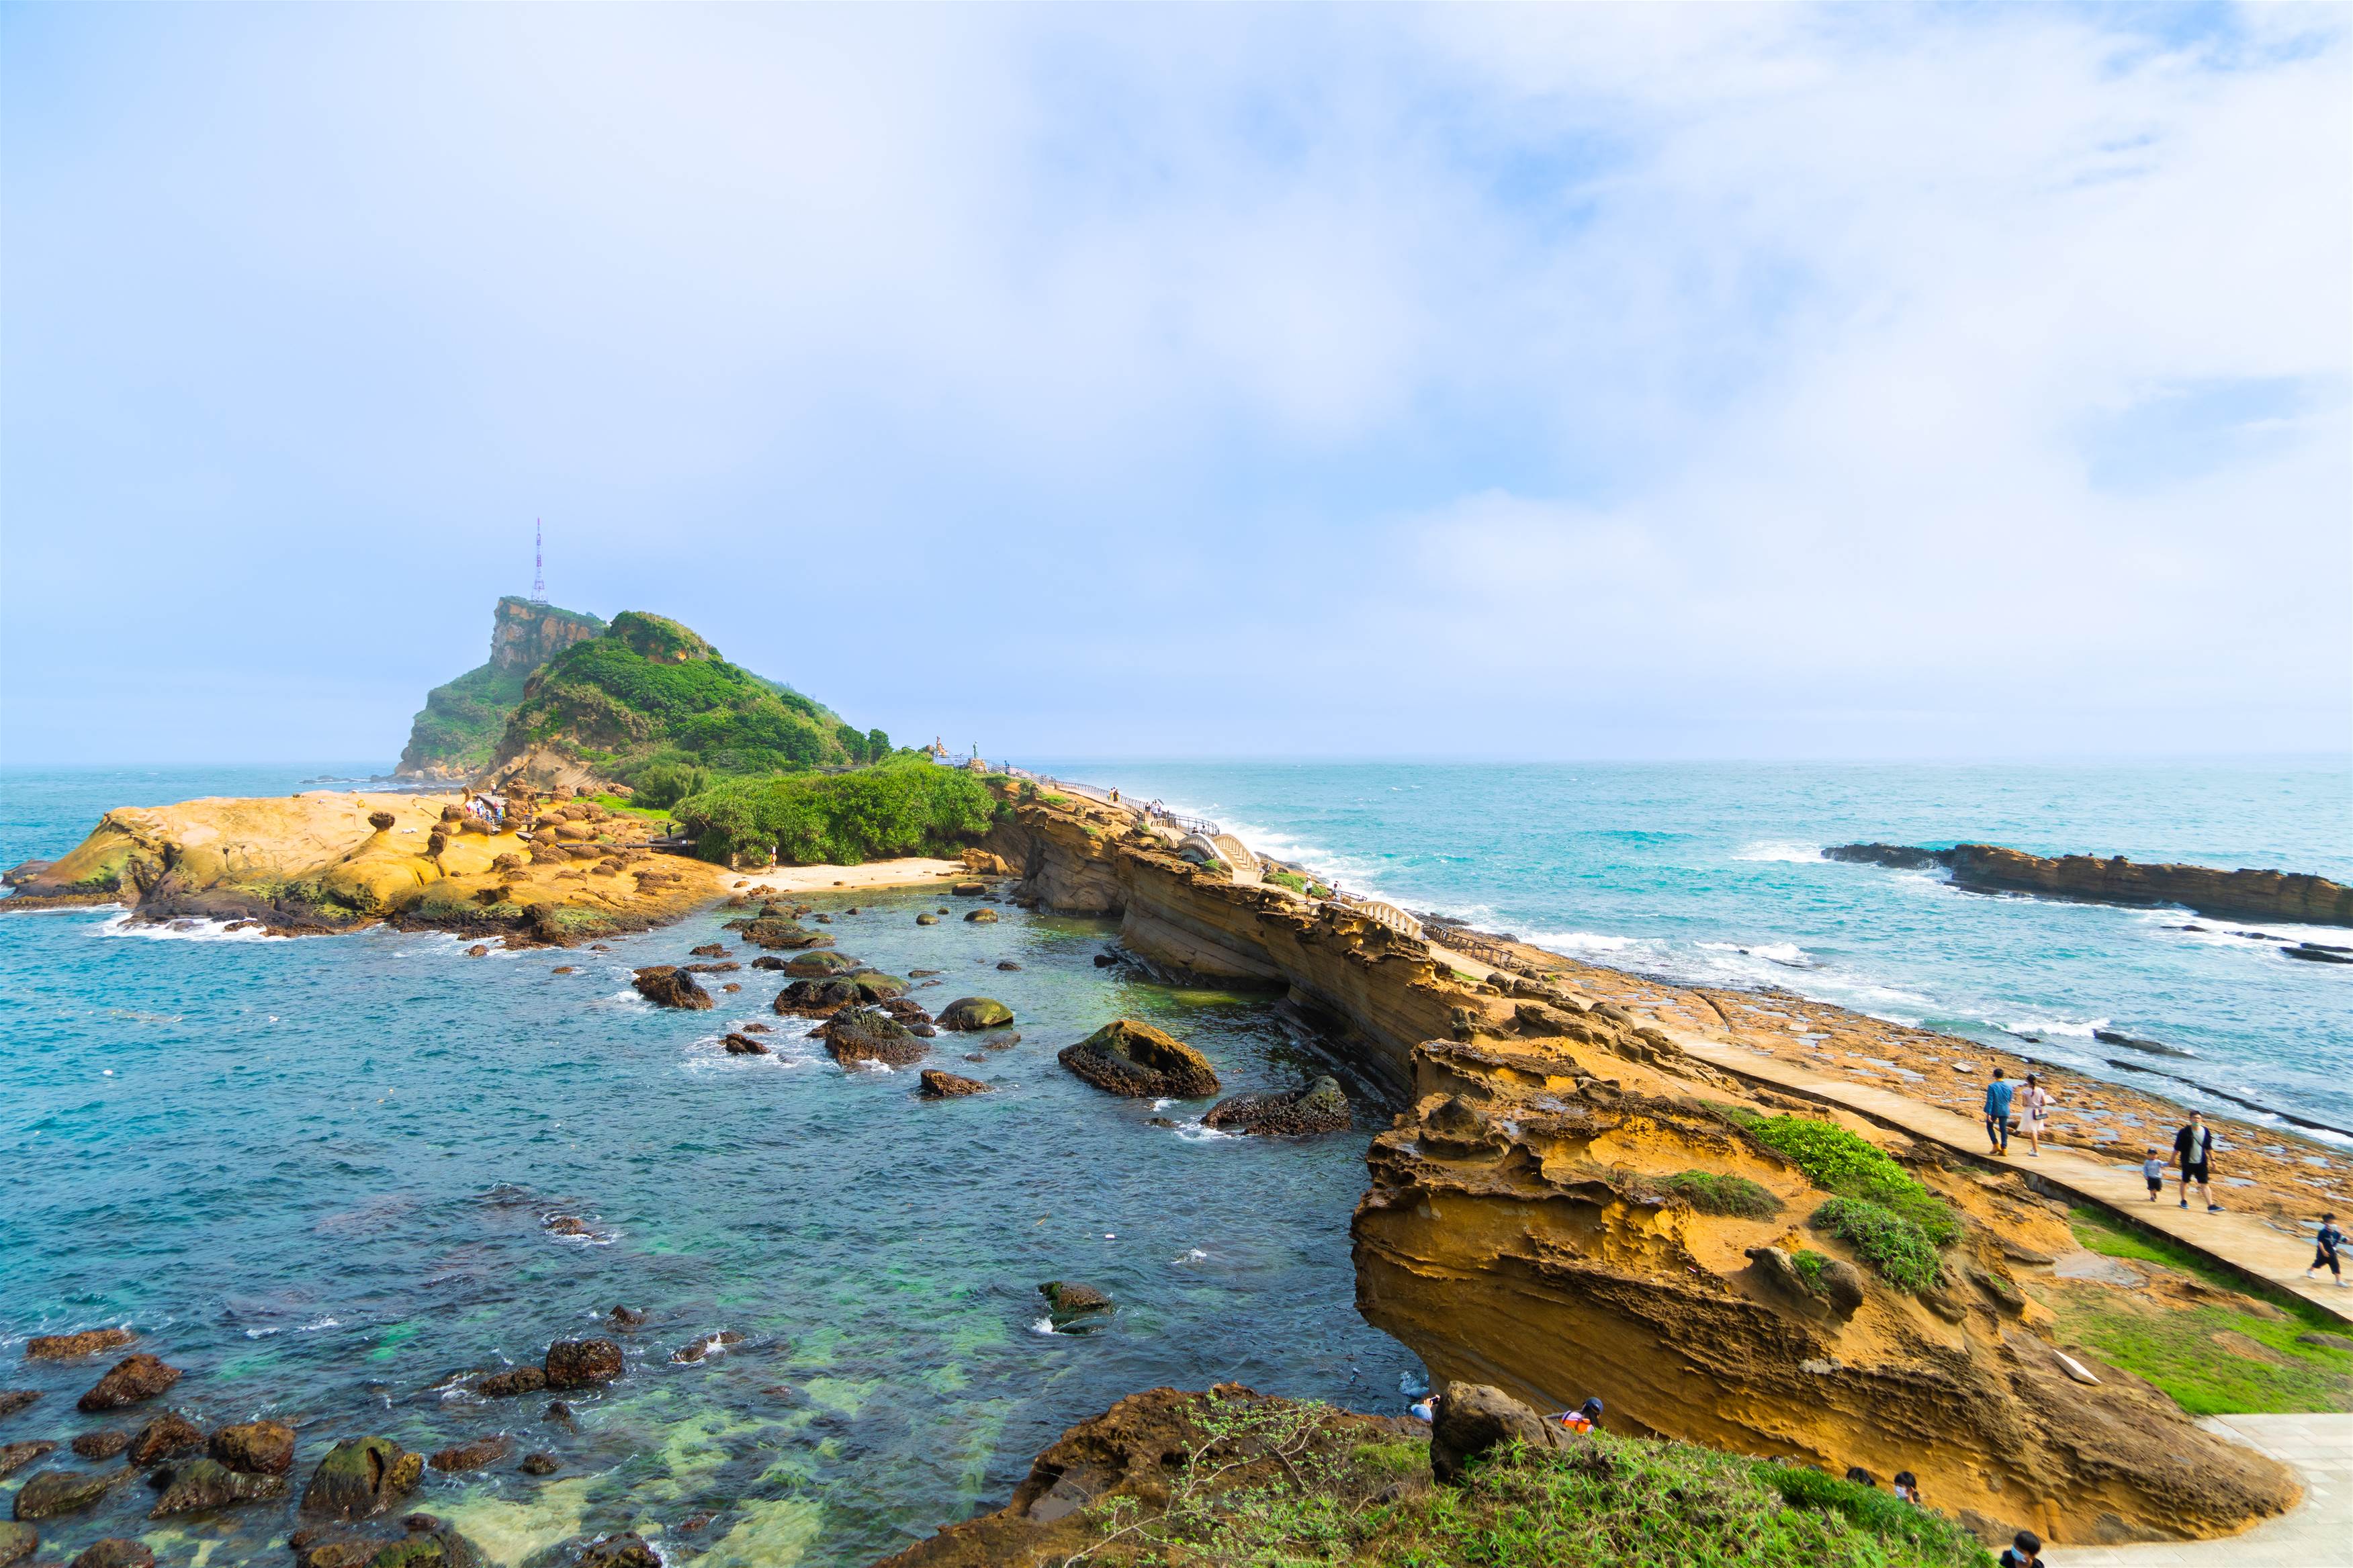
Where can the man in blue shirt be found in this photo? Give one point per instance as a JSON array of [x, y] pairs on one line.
[[1997, 1111]]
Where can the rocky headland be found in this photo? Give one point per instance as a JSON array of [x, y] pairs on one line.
[[2090, 879]]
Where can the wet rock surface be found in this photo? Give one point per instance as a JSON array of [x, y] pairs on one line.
[[255, 1448], [582, 1363], [206, 1483], [162, 1438], [132, 1379], [1128, 1057], [49, 1493], [11, 1400], [975, 1013], [15, 1456], [473, 1456], [871, 1035], [101, 1445], [114, 1552], [67, 1347], [17, 1542], [667, 985], [511, 1383], [937, 1084], [360, 1476], [1320, 1107]]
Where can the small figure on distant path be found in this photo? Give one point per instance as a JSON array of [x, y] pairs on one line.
[[1425, 1409], [1997, 1111], [2153, 1168], [1584, 1418], [2024, 1550], [2193, 1149], [1907, 1488], [2329, 1239], [2036, 1101]]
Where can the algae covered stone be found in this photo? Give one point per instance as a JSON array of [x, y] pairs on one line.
[[582, 1363], [131, 1380], [1128, 1057], [667, 985], [359, 1476], [66, 1347], [866, 1034], [17, 1542], [53, 1492], [255, 1448], [207, 1483], [1321, 1107], [975, 1013]]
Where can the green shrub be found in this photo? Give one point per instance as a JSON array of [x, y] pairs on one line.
[[666, 782], [1809, 1265], [1879, 1514], [1836, 1160], [904, 806], [1902, 1253], [1290, 879], [1709, 1193]]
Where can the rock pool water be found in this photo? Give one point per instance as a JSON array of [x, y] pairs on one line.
[[316, 1174]]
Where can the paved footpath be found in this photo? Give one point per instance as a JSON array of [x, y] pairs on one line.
[[2319, 1534], [2246, 1242]]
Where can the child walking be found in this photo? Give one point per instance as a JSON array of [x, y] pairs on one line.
[[2330, 1239]]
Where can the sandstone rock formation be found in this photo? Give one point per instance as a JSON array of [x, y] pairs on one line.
[[1128, 1057], [1321, 1107], [937, 1084], [2089, 879]]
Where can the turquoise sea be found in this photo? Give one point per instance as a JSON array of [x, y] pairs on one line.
[[317, 1173]]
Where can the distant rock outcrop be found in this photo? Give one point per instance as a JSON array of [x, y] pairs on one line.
[[452, 738], [2089, 879]]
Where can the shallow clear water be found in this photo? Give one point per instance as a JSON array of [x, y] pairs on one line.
[[315, 1173], [1712, 873]]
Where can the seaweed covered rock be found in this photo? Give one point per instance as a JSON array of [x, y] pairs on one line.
[[627, 1550], [975, 1013], [1321, 1107], [819, 998], [17, 1542], [667, 985], [207, 1483], [937, 1084], [1067, 1300], [1128, 1057], [512, 1382], [983, 916], [582, 1363], [418, 1540], [780, 935], [131, 1380], [163, 1436], [54, 1492], [360, 1476], [817, 964], [864, 1034], [15, 1456], [114, 1552]]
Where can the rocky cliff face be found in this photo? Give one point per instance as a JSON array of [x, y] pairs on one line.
[[2228, 895], [1531, 1225], [453, 736]]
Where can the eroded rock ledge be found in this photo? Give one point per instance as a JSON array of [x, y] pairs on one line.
[[2089, 879]]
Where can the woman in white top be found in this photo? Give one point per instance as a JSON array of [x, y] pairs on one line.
[[2034, 1104]]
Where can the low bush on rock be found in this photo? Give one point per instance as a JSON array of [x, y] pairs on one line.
[[1904, 1254], [843, 819], [1735, 1196], [1837, 1161]]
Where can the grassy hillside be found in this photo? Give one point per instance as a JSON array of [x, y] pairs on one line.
[[906, 805], [654, 706], [462, 722]]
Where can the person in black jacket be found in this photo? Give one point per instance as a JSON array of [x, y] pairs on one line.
[[2193, 1149]]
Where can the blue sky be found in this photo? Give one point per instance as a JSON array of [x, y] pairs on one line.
[[1658, 382]]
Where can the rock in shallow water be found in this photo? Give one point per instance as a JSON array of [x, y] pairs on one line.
[[131, 1380], [66, 1347], [101, 1445], [869, 1034], [940, 1085], [15, 1456], [16, 1543], [471, 1456], [208, 1484], [582, 1363], [742, 1046], [667, 985], [1067, 1298], [11, 1400], [255, 1448], [507, 1385], [982, 917], [975, 1013], [540, 1465], [162, 1438], [1127, 1056], [1321, 1107], [53, 1492], [359, 1476], [114, 1552]]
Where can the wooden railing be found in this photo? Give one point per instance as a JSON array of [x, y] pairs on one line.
[[1387, 914]]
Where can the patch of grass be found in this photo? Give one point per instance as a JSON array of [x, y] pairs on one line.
[[1809, 1265], [1263, 1485], [1709, 1193], [1837, 1161], [1904, 1254], [1290, 879], [2098, 1232], [614, 803]]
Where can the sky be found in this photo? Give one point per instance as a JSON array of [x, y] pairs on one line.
[[1670, 382]]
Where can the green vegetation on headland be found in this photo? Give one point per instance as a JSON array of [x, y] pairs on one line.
[[651, 698], [906, 805], [462, 721], [1880, 1210], [2239, 1349], [1603, 1499]]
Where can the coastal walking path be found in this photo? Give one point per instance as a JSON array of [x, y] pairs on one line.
[[2245, 1242], [2318, 1534]]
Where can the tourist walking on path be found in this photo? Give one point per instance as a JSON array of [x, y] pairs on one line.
[[1997, 1111], [2329, 1239], [2193, 1150], [2154, 1169], [2024, 1550], [2036, 1102]]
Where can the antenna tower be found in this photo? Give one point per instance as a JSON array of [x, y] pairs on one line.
[[538, 562]]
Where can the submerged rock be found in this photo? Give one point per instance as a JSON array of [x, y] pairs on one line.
[[207, 1483], [870, 1033], [582, 1363], [627, 1550], [1067, 1298], [514, 1381], [667, 985], [982, 917], [742, 1046], [16, 1543], [132, 1379], [11, 1400], [15, 1456], [694, 1350], [53, 1492], [540, 1464], [927, 920], [255, 1448], [472, 1456], [1128, 1057], [420, 1542], [360, 1476], [101, 1445], [114, 1552], [940, 1085], [66, 1347], [1321, 1107], [817, 965], [975, 1013]]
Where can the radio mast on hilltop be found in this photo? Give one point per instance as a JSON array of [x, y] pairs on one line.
[[538, 562]]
